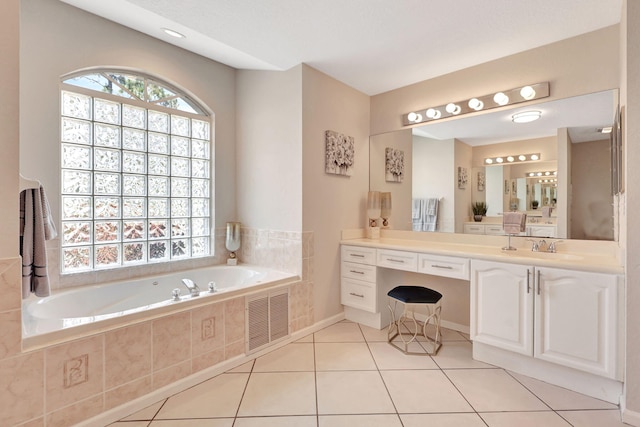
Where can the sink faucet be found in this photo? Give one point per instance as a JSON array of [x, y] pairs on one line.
[[194, 290], [540, 246], [552, 246]]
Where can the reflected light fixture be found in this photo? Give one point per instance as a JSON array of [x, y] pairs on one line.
[[541, 174], [526, 116], [512, 158], [173, 33], [477, 103], [607, 129]]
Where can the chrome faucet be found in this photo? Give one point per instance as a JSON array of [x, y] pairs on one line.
[[540, 246], [194, 290], [552, 246]]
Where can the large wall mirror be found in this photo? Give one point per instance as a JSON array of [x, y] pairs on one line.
[[566, 192]]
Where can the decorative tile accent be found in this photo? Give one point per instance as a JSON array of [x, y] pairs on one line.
[[208, 327], [76, 371]]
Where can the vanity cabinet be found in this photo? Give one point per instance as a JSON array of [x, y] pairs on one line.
[[562, 316], [358, 278], [542, 230], [490, 229]]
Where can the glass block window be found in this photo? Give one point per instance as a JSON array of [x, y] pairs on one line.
[[136, 173]]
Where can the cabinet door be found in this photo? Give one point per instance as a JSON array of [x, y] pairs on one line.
[[576, 320], [502, 305]]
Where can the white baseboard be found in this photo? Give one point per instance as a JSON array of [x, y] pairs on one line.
[[630, 417], [119, 412]]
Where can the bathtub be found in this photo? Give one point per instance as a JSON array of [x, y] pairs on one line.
[[139, 298]]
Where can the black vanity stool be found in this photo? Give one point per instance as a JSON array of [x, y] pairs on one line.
[[422, 300]]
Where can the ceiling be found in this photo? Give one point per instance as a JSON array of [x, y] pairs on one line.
[[371, 45]]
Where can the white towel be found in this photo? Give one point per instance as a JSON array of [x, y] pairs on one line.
[[36, 226], [546, 212], [514, 222], [424, 214]]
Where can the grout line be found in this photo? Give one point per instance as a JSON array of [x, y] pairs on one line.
[[253, 364], [315, 378]]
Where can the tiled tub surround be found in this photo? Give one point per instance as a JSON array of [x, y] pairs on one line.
[[108, 303], [64, 383]]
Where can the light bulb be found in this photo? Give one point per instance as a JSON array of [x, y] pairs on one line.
[[522, 157], [500, 98], [173, 33], [499, 159], [527, 92], [418, 118], [432, 113], [476, 104], [488, 161], [534, 157], [510, 159], [531, 174], [453, 108], [412, 116], [547, 173]]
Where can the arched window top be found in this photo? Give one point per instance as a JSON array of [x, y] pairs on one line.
[[135, 86]]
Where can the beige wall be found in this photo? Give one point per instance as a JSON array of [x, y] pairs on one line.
[[56, 39], [269, 149], [630, 226], [9, 130], [568, 65], [400, 191], [331, 203]]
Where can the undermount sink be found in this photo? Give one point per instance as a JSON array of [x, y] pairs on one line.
[[547, 255]]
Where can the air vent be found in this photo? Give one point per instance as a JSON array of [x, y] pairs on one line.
[[267, 318]]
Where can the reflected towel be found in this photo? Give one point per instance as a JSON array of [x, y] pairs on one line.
[[546, 212], [424, 214], [514, 222], [36, 226]]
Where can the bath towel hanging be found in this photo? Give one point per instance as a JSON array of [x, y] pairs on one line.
[[424, 214], [36, 226], [514, 222]]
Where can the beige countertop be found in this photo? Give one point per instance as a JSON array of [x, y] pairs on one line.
[[596, 256]]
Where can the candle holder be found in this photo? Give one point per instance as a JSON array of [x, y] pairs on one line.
[[385, 208], [232, 242], [373, 214]]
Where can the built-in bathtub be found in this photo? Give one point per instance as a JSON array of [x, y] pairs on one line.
[[92, 308]]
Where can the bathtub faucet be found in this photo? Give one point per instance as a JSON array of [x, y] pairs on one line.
[[193, 288]]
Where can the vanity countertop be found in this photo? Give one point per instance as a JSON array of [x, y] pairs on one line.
[[582, 256]]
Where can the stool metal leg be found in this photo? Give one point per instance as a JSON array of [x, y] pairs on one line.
[[408, 314]]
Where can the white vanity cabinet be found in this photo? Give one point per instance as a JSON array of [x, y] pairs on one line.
[[541, 230], [358, 278], [561, 316]]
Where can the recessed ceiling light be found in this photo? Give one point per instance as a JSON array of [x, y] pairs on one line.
[[607, 129], [173, 33], [526, 116]]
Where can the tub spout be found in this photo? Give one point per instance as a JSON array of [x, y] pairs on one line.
[[194, 290]]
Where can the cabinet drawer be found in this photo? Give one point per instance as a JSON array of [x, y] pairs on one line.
[[358, 294], [473, 229], [398, 260], [357, 271], [358, 254], [457, 268], [494, 230]]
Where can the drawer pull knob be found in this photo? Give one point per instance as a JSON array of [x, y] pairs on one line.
[[356, 272], [448, 267], [356, 295], [357, 255]]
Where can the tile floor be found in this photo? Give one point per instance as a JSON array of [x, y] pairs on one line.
[[347, 375]]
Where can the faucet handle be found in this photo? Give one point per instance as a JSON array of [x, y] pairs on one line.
[[552, 245], [535, 246], [176, 294]]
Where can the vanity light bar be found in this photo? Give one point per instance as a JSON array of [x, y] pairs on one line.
[[514, 158], [486, 102], [542, 174]]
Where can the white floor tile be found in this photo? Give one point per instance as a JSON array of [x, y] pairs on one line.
[[559, 398], [343, 356], [524, 419], [494, 390], [388, 357], [373, 334], [217, 397], [300, 421], [340, 332], [292, 357], [147, 413], [423, 392], [457, 355], [204, 422], [608, 418], [308, 338], [442, 420], [356, 392], [359, 421], [279, 393], [447, 334], [245, 367]]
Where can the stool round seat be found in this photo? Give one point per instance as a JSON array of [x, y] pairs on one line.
[[415, 294]]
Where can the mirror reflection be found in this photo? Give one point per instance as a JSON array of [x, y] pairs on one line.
[[566, 191]]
